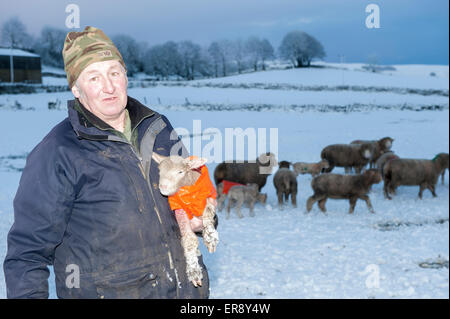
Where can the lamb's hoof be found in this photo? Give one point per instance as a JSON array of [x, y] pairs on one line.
[[194, 274], [210, 238]]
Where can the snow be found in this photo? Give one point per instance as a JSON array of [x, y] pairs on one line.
[[16, 52], [289, 253]]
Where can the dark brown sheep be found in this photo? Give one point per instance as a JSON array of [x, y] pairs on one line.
[[247, 172], [347, 156], [336, 186], [284, 164], [378, 148], [383, 159], [285, 182], [421, 172]]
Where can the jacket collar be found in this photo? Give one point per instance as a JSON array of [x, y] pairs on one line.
[[86, 124]]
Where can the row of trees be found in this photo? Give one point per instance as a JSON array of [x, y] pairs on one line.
[[184, 59]]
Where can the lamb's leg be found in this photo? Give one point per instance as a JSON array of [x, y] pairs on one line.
[[230, 200], [220, 201], [322, 205], [210, 234], [368, 202], [189, 243], [239, 203], [252, 206]]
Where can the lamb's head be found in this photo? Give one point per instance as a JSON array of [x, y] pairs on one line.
[[176, 172], [267, 161], [262, 198], [254, 189]]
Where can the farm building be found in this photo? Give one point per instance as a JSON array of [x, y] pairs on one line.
[[26, 65]]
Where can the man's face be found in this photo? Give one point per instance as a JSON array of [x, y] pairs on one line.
[[102, 89]]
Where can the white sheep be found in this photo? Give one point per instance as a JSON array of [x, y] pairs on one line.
[[310, 168], [176, 172]]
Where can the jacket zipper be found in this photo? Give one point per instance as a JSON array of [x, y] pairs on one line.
[[169, 254]]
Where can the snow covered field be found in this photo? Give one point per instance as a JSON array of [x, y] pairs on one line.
[[402, 251]]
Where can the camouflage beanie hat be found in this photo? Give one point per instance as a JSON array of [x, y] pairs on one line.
[[86, 47]]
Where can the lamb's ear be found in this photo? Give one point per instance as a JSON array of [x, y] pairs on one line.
[[158, 158], [195, 162]]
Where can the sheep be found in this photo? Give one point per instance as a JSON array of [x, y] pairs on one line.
[[445, 161], [246, 172], [285, 182], [347, 156], [311, 168], [240, 194], [379, 147], [176, 172], [421, 172], [336, 186], [383, 159], [222, 193], [285, 164]]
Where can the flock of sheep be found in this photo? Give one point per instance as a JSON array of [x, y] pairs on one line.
[[242, 182], [384, 165]]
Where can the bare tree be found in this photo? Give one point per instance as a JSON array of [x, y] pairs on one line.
[[238, 54], [191, 58], [253, 50], [300, 48], [215, 54], [267, 52], [49, 45], [129, 49], [14, 34], [163, 60]]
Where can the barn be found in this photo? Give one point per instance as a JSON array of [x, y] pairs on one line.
[[26, 65]]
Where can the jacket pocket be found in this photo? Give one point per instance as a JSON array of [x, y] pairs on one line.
[[132, 284]]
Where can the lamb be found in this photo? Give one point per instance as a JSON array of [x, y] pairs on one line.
[[222, 193], [351, 187], [347, 156], [240, 194], [378, 148], [246, 172], [311, 168], [285, 182], [421, 172], [178, 174]]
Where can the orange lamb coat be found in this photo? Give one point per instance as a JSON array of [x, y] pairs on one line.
[[192, 199]]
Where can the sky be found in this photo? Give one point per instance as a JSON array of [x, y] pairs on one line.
[[410, 31]]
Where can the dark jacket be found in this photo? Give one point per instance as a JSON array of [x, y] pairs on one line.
[[88, 202]]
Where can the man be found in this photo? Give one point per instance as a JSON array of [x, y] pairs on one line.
[[88, 202]]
